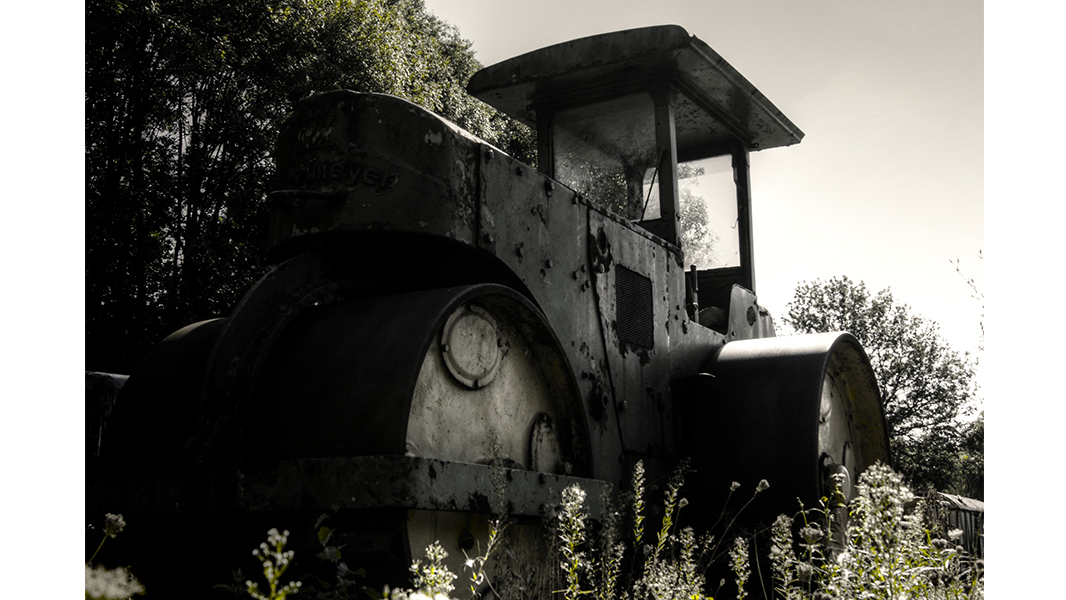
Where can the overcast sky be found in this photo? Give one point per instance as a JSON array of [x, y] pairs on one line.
[[886, 186]]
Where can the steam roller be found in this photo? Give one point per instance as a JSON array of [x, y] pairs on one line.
[[450, 335]]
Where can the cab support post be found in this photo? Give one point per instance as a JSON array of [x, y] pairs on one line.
[[742, 180], [665, 99]]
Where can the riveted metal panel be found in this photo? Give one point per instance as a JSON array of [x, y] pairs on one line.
[[640, 376], [538, 228]]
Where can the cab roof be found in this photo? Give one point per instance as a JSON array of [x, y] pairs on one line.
[[716, 102]]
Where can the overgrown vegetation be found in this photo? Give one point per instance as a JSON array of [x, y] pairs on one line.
[[879, 545], [884, 548], [889, 551], [623, 564]]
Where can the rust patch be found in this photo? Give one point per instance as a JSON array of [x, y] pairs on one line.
[[600, 253], [541, 212], [644, 355]]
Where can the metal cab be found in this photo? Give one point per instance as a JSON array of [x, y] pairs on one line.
[[634, 120]]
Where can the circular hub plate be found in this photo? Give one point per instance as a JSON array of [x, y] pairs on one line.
[[470, 345]]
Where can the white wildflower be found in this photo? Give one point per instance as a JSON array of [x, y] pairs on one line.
[[111, 583]]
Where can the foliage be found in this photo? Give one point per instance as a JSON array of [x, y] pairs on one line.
[[433, 577], [433, 580], [674, 566], [878, 546], [183, 99], [572, 535], [970, 480], [476, 565], [275, 561], [738, 562], [890, 552], [925, 384], [696, 237], [112, 584], [430, 576], [339, 581]]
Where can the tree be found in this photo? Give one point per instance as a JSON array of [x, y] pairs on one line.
[[183, 101], [925, 384], [696, 237], [971, 467]]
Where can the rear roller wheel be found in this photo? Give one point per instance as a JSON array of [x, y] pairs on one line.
[[792, 410]]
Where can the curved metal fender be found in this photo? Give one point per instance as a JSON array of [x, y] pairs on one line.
[[343, 380]]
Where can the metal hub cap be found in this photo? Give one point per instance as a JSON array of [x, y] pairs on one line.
[[470, 346]]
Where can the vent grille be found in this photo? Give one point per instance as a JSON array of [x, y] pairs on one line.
[[633, 302]]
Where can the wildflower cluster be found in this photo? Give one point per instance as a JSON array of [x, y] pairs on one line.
[[111, 584], [638, 501], [887, 551], [872, 547], [402, 594], [572, 534], [433, 578], [113, 525], [783, 559], [738, 562], [275, 561], [116, 583], [673, 566]]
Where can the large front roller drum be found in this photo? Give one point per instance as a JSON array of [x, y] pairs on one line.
[[791, 410], [462, 375], [395, 414]]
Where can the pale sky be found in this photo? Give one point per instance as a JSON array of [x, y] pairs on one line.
[[886, 186]]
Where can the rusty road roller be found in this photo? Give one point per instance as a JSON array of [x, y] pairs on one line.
[[440, 313]]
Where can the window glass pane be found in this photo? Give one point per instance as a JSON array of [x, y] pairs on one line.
[[651, 195], [603, 150], [708, 197]]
